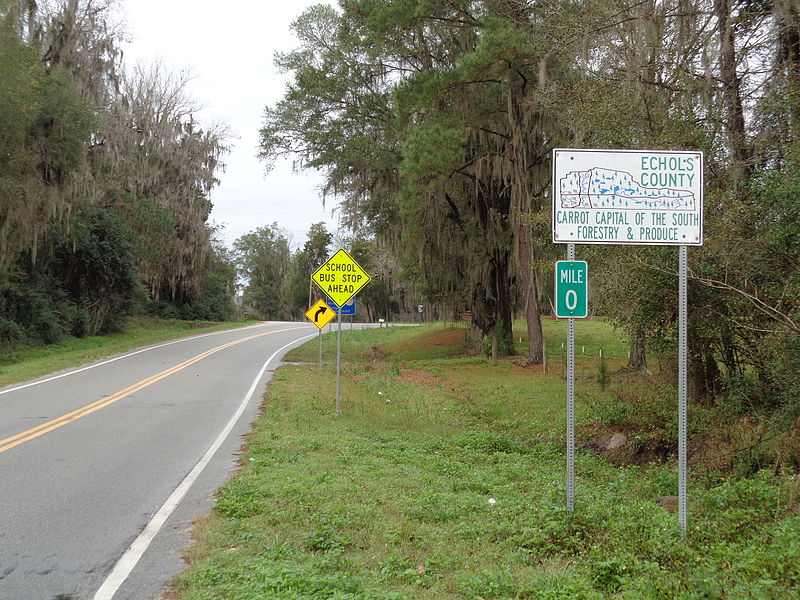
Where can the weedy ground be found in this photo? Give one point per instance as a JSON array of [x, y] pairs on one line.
[[443, 477]]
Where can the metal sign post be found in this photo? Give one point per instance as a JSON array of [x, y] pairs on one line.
[[683, 267], [320, 314], [319, 346], [340, 278], [571, 401], [338, 364], [645, 197], [572, 302]]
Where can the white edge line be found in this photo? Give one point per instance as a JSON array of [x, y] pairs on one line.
[[134, 553], [126, 355]]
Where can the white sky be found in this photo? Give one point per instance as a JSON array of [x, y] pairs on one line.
[[229, 48]]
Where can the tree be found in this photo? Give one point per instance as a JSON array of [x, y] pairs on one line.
[[304, 263], [427, 86], [45, 129], [88, 154], [655, 82], [263, 257], [157, 169], [434, 123], [496, 103]]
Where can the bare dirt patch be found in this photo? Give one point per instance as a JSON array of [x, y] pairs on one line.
[[620, 445], [375, 354], [435, 339], [420, 377], [446, 338]]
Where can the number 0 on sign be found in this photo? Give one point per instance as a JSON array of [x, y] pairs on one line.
[[572, 289]]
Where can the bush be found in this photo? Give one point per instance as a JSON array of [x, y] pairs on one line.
[[161, 309], [780, 373], [35, 310], [603, 373], [504, 340], [42, 309], [94, 265], [11, 332], [214, 306]]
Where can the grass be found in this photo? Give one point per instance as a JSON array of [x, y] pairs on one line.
[[411, 343], [24, 363], [591, 336], [443, 478]]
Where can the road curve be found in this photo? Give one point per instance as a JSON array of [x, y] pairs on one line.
[[88, 458]]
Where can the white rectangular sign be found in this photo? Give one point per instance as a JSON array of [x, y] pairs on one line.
[[627, 197]]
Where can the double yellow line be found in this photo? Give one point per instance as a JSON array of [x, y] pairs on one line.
[[33, 433]]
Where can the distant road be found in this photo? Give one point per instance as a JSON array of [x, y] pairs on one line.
[[88, 458]]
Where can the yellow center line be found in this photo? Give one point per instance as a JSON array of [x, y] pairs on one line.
[[34, 432]]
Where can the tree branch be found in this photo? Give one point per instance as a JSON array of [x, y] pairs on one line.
[[771, 312]]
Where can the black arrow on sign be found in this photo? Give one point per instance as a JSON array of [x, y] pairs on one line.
[[320, 311]]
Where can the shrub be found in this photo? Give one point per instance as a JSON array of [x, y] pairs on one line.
[[11, 332]]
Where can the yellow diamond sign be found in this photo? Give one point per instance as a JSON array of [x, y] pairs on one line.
[[320, 314], [340, 277]]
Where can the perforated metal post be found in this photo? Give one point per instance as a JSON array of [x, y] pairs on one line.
[[338, 362], [682, 401], [570, 401]]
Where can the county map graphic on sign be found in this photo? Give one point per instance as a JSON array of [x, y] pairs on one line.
[[604, 188], [627, 197]]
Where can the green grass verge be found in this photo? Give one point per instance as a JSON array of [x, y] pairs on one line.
[[432, 342], [443, 478], [405, 342], [24, 363]]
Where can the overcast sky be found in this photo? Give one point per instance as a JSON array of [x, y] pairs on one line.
[[229, 48]]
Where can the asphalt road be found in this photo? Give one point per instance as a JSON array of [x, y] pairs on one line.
[[87, 460]]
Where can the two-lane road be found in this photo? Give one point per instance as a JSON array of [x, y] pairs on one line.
[[89, 458]]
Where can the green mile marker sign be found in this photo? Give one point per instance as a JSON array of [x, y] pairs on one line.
[[572, 289]]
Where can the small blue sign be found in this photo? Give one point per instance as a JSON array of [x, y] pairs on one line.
[[347, 309]]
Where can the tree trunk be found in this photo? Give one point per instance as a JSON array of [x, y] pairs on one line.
[[520, 206], [504, 312], [788, 18], [704, 374], [731, 94], [533, 309], [492, 313], [637, 360]]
